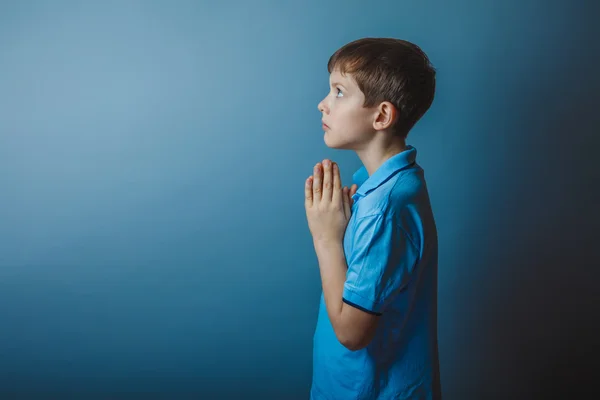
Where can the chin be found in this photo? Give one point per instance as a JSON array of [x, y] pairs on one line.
[[330, 142], [335, 144]]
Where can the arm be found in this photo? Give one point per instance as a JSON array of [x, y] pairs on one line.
[[357, 291], [354, 328]]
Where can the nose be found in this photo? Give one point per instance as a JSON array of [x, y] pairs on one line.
[[323, 107]]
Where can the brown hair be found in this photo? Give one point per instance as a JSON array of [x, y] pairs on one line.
[[393, 70]]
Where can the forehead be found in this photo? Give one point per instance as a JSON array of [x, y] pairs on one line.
[[337, 77]]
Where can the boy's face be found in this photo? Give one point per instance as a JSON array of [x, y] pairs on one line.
[[347, 124]]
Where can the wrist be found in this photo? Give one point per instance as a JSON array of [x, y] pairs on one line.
[[324, 242], [325, 246]]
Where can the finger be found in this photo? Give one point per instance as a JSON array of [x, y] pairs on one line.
[[327, 180], [308, 193], [346, 197], [337, 196], [317, 183], [337, 178]]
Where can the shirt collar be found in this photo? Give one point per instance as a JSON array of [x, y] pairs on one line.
[[392, 165]]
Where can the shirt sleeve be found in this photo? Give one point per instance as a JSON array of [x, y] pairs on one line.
[[380, 262]]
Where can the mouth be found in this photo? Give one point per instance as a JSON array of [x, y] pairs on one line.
[[325, 126]]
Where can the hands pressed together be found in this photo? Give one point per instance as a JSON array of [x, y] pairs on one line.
[[328, 205]]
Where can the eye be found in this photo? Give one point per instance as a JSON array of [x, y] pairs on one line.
[[339, 93]]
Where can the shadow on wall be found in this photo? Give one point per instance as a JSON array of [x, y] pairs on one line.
[[538, 315]]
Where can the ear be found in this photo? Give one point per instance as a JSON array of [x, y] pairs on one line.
[[385, 116]]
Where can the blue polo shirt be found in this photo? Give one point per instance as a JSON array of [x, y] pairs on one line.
[[392, 256]]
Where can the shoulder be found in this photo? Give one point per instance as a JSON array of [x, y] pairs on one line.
[[401, 202], [406, 189]]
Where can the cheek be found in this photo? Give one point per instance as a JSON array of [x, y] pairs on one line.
[[340, 110]]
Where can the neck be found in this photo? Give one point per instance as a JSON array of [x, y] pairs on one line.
[[375, 153]]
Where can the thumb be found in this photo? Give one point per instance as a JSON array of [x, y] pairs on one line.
[[353, 190], [347, 202]]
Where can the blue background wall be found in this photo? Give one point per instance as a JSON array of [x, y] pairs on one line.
[[152, 161]]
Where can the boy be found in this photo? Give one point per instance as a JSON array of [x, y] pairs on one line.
[[376, 244]]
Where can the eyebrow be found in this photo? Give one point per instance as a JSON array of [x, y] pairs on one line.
[[339, 84]]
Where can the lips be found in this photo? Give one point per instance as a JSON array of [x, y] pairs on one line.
[[325, 125]]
